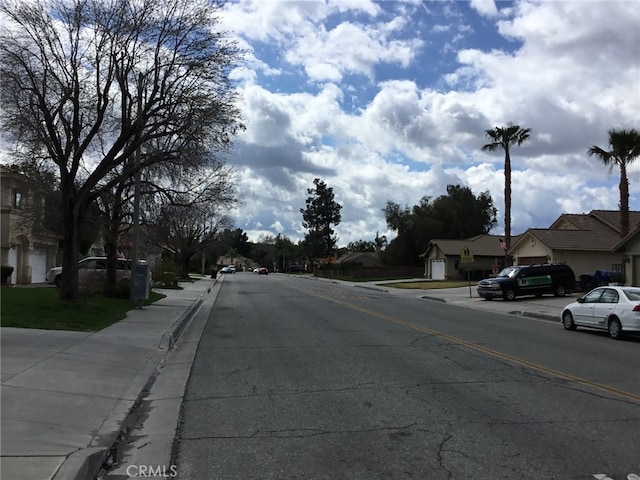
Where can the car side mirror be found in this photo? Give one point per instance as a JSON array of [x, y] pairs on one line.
[[581, 300]]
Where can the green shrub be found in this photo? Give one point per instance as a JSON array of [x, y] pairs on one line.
[[165, 275]]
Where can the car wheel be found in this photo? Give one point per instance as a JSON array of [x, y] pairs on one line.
[[615, 329], [58, 281], [509, 295], [560, 291], [567, 321]]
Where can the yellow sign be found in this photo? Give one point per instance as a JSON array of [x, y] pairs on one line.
[[466, 255]]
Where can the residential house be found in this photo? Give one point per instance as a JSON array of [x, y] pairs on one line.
[[241, 263], [630, 248], [476, 257], [585, 242], [24, 243]]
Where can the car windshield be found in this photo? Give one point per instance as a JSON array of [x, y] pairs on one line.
[[509, 272], [632, 294]]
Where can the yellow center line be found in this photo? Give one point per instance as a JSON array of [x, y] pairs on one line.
[[474, 346]]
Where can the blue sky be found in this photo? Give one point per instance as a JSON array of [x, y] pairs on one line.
[[389, 101]]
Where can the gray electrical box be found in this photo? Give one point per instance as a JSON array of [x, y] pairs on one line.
[[140, 280]]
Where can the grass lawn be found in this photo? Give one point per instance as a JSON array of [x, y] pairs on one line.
[[41, 308]]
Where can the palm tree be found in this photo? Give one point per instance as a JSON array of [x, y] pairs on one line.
[[505, 137], [625, 148], [380, 242]]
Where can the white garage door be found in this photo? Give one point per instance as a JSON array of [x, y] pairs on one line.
[[38, 262], [438, 269]]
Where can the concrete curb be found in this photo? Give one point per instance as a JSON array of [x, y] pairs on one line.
[[89, 462], [183, 321], [435, 299]]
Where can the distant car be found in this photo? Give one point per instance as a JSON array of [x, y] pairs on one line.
[[612, 308], [263, 271], [228, 269]]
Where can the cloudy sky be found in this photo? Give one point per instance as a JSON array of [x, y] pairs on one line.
[[390, 101]]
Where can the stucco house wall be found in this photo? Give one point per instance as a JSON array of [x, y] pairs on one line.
[[630, 250], [30, 250]]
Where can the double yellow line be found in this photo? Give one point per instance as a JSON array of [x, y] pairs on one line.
[[479, 348]]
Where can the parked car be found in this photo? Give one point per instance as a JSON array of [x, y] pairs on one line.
[[519, 280], [263, 271], [612, 308], [228, 269], [91, 269]]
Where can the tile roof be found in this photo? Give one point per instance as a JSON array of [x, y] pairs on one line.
[[599, 230], [357, 256], [607, 218], [481, 245], [598, 239]]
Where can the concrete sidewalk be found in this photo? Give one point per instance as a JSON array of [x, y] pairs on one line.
[[66, 395]]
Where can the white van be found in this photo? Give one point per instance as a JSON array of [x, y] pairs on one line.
[[91, 269]]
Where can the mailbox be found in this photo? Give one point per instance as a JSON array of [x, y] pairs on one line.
[[140, 280]]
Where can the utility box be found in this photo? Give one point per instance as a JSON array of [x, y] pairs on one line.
[[140, 280]]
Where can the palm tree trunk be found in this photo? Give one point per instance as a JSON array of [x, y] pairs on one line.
[[624, 201], [507, 203]]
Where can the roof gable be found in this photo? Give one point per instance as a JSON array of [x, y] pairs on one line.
[[609, 219]]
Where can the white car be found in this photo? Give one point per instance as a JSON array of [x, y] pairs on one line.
[[612, 308]]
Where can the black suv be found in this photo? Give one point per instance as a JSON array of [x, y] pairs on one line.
[[522, 280]]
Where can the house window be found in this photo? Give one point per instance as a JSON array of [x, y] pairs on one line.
[[17, 199]]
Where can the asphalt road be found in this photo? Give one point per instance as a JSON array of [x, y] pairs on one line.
[[296, 378]]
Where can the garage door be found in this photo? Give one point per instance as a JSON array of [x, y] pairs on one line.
[[13, 261], [532, 260], [38, 262], [438, 269]]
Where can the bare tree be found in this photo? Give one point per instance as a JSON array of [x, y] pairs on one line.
[[185, 217], [88, 83]]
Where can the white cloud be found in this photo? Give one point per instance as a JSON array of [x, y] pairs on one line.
[[390, 101], [364, 119], [486, 8]]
